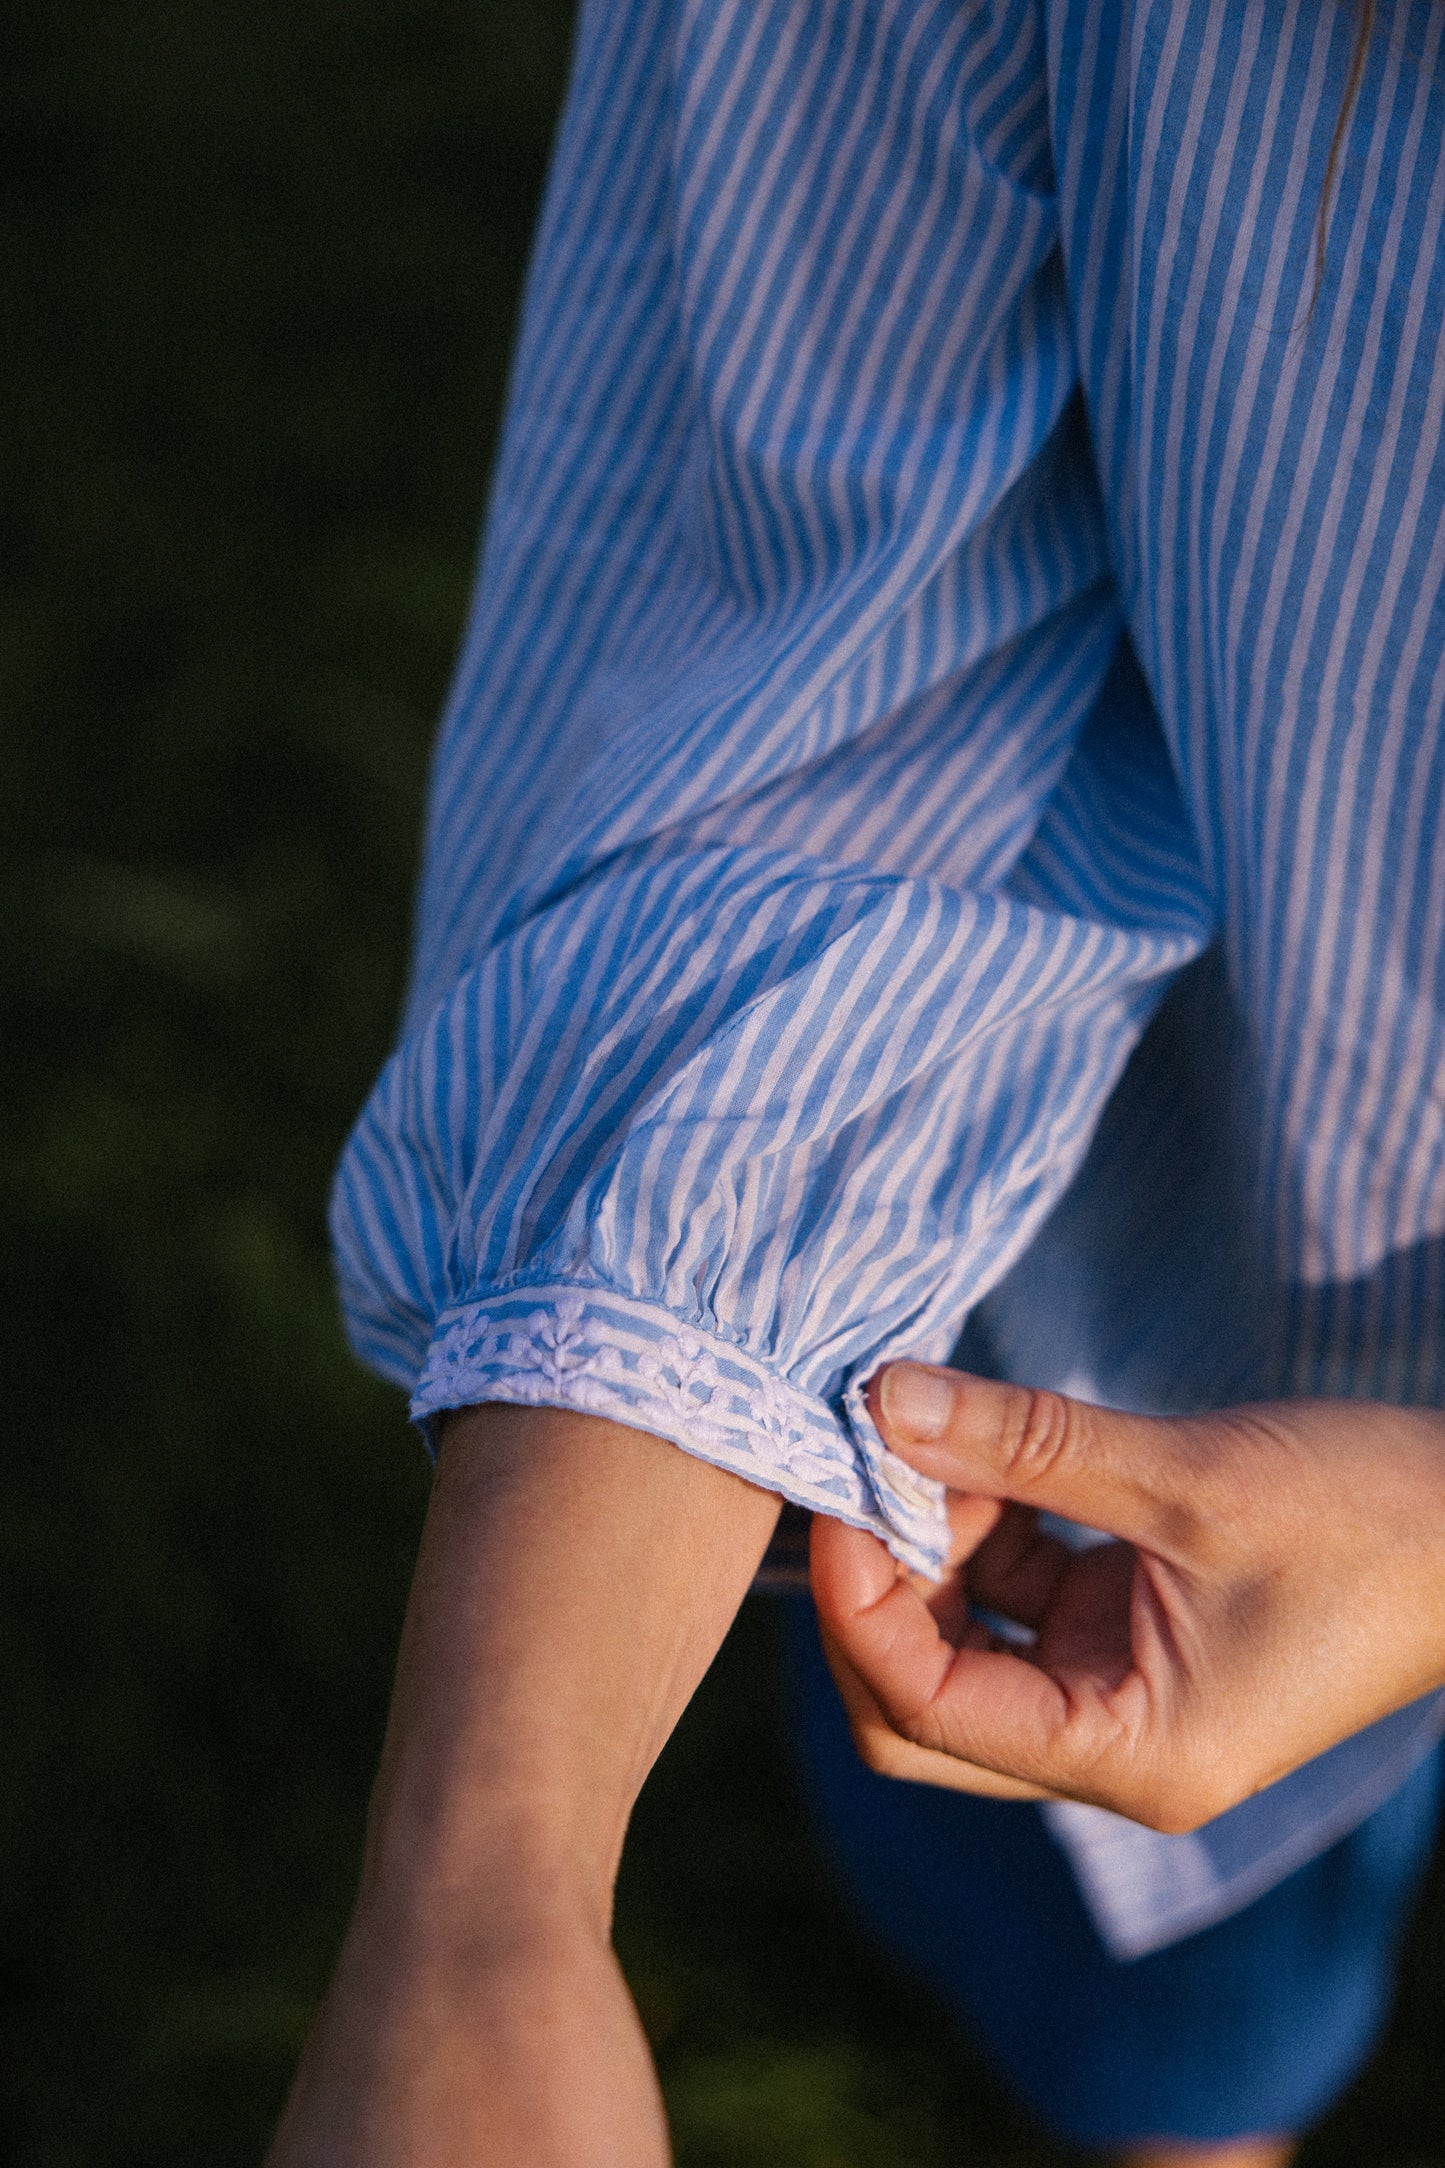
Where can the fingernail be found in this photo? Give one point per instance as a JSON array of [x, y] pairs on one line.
[[916, 1402]]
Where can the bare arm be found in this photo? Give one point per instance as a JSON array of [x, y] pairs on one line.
[[574, 1581]]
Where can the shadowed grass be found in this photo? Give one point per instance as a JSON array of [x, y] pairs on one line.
[[266, 262]]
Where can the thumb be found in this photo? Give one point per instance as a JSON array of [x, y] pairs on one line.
[[1134, 1476]]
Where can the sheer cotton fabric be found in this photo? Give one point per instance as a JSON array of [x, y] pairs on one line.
[[950, 563]]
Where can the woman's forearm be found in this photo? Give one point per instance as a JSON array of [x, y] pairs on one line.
[[573, 1584], [574, 1581]]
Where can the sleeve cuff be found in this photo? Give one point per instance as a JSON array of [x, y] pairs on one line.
[[603, 1352]]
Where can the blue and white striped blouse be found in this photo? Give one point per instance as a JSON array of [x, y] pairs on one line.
[[956, 559]]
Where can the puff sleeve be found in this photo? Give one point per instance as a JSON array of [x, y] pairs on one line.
[[803, 860]]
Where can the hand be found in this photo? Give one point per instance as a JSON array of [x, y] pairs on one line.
[[1278, 1583], [883, 1748]]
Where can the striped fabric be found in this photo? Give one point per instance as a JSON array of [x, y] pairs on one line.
[[954, 561]]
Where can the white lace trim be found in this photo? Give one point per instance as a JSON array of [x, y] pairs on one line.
[[611, 1354]]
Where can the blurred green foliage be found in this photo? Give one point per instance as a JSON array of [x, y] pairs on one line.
[[265, 262]]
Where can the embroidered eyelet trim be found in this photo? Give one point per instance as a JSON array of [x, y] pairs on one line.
[[617, 1355]]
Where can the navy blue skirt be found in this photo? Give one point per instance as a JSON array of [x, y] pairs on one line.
[[1253, 2026]]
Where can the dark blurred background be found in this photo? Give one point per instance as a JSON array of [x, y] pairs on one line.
[[263, 262]]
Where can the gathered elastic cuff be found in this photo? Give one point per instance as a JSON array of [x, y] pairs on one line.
[[603, 1352]]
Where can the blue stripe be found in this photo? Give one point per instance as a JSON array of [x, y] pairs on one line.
[[947, 566]]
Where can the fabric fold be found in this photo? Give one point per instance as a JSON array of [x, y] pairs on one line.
[[604, 1353]]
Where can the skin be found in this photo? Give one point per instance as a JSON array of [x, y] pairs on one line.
[[1248, 2153], [574, 1581], [1279, 1583]]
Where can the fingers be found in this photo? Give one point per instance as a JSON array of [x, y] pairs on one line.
[[1017, 1569], [882, 1623], [1077, 1719], [1132, 1475], [970, 1519], [889, 1755], [993, 1710]]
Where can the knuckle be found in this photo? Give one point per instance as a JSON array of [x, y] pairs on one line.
[[1243, 1493], [1168, 1810], [1171, 1785], [927, 1730], [1043, 1432], [1179, 1804]]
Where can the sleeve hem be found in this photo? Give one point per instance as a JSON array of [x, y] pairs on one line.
[[604, 1352]]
